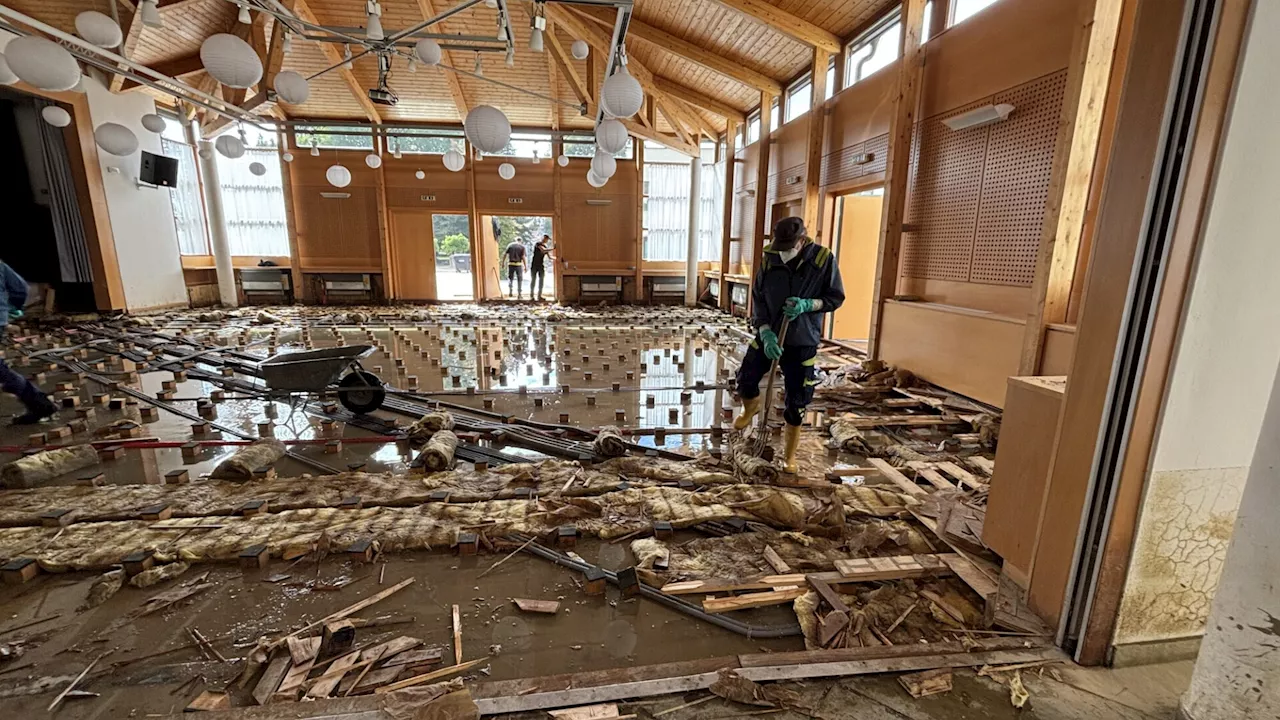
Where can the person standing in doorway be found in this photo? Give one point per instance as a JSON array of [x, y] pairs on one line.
[[537, 267], [515, 268], [798, 281], [13, 297]]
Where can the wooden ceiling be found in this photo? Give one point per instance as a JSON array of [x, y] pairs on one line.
[[716, 54]]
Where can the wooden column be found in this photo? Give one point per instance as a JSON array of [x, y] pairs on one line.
[[898, 167], [478, 268], [817, 142], [638, 280], [557, 213], [760, 227], [1088, 77], [390, 280], [284, 140], [726, 240]]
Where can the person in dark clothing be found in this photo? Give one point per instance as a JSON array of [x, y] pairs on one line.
[[797, 280], [537, 267], [13, 297], [515, 269]]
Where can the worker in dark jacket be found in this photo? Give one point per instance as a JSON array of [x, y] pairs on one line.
[[13, 297], [799, 280]]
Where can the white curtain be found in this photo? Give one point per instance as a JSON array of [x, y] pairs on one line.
[[254, 206], [188, 210], [666, 211], [711, 220]]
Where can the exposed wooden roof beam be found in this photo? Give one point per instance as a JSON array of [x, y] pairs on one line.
[[644, 133], [272, 65], [428, 9], [303, 10], [676, 121], [700, 123], [561, 58], [177, 68], [786, 23], [699, 100], [679, 47]]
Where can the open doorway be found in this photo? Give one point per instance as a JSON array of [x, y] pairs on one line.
[[453, 266], [516, 275], [857, 241]]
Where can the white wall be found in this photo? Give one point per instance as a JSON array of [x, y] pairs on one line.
[[141, 218], [1226, 362]]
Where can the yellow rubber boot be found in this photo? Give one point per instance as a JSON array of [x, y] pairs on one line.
[[791, 440], [750, 407]]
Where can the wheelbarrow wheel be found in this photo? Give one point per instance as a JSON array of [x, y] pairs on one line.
[[367, 398]]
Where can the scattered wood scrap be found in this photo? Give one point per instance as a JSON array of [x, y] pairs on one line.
[[928, 682], [547, 607], [271, 678], [751, 600], [209, 701], [775, 561]]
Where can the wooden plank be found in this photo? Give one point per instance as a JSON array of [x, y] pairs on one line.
[[457, 636], [345, 612], [417, 657], [897, 168], [293, 680], [966, 570], [548, 607], [816, 144], [869, 422], [784, 22], [986, 465], [893, 568], [809, 657], [964, 477], [752, 600], [777, 563], [325, 684], [929, 682], [831, 626], [699, 99], [826, 593], [209, 701], [934, 478], [604, 711], [897, 478], [303, 649], [271, 678], [924, 566], [390, 648], [760, 225], [699, 587], [889, 665], [429, 677]]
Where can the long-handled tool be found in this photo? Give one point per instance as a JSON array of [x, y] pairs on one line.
[[762, 430]]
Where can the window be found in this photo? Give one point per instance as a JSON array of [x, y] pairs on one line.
[[666, 211], [254, 206], [799, 98], [188, 208], [436, 142], [926, 27], [741, 142], [964, 9], [579, 146], [877, 48], [527, 145], [343, 138], [753, 128], [831, 79], [773, 115]]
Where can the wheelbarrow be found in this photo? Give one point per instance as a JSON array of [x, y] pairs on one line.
[[313, 371]]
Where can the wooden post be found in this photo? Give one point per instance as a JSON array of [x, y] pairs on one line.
[[284, 140], [1079, 124], [761, 224], [390, 281], [726, 240], [478, 267], [897, 168], [638, 280], [557, 213], [817, 138]]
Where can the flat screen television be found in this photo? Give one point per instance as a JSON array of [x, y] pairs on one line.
[[158, 170]]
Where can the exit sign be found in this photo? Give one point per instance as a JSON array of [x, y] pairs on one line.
[[428, 198], [515, 200]]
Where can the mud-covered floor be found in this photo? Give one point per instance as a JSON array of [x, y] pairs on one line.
[[637, 370]]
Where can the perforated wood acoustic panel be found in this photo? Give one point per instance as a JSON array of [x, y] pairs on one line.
[[854, 161], [1015, 184]]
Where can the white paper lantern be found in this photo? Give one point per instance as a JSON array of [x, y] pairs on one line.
[[287, 157], [580, 49], [231, 61], [420, 175], [454, 161], [56, 116], [205, 152], [229, 146], [563, 160], [116, 139], [506, 171], [153, 122], [373, 160], [611, 136], [42, 63], [258, 169], [594, 181], [621, 94], [488, 129], [338, 176], [428, 51], [6, 75], [603, 165], [98, 29], [292, 88]]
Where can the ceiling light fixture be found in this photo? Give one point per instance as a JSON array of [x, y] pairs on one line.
[[288, 42], [538, 23], [346, 56], [479, 67], [373, 29], [151, 14], [413, 65], [245, 18]]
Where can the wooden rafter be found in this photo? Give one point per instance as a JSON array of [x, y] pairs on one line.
[[261, 101], [132, 31], [699, 100], [553, 88], [786, 23], [428, 9], [674, 117], [303, 10], [177, 68], [812, 211], [701, 124], [726, 66], [561, 58]]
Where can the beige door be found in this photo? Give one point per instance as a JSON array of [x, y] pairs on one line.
[[859, 242], [415, 269]]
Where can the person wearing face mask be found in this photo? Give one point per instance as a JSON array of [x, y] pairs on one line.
[[798, 280]]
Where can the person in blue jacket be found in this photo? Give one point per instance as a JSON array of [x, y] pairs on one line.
[[13, 297], [799, 280]]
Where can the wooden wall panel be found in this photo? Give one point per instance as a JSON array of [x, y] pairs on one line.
[[598, 238], [405, 190], [532, 185], [336, 234], [1059, 346]]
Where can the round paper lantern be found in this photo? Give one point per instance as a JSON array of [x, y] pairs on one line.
[[231, 61], [420, 175], [98, 29], [594, 181], [153, 122], [56, 116], [488, 129], [6, 75], [563, 160], [116, 139], [580, 49], [338, 176], [454, 160], [611, 136], [206, 152], [428, 51], [292, 88], [373, 160], [621, 95], [287, 157], [42, 63], [603, 165], [506, 171], [258, 169], [229, 146]]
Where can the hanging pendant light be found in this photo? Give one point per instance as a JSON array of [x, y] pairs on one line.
[[151, 13], [244, 17], [315, 148], [288, 42], [373, 28], [580, 50], [98, 29], [346, 57], [479, 68], [413, 65]]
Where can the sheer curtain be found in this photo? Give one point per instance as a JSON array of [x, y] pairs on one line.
[[188, 210], [711, 219], [254, 206], [666, 211]]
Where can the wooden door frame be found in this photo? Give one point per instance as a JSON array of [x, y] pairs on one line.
[[551, 215]]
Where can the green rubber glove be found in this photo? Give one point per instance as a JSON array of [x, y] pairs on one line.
[[772, 349], [794, 307], [15, 314]]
